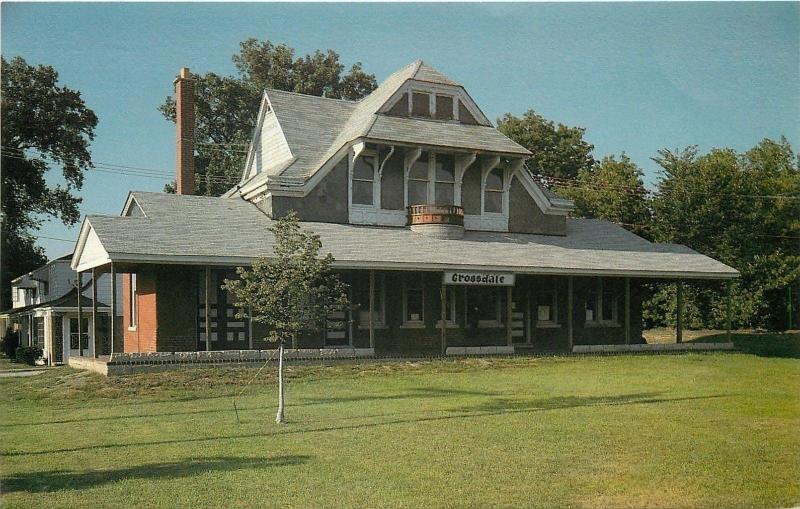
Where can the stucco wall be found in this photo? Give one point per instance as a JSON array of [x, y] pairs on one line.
[[525, 216], [392, 187], [471, 190], [327, 202]]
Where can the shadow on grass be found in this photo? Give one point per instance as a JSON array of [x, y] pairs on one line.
[[496, 407], [772, 344], [418, 393], [58, 480]]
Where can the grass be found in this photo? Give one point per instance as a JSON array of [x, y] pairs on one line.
[[691, 430]]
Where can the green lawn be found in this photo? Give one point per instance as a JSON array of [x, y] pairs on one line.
[[691, 430]]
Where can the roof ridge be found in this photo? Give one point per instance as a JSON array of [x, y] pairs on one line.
[[312, 96]]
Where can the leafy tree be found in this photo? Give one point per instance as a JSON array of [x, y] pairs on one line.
[[226, 107], [43, 125], [559, 151], [613, 190], [292, 291], [743, 210]]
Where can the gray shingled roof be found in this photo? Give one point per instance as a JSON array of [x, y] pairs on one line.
[[317, 127], [195, 229]]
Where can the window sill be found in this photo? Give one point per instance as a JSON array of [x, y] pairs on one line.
[[548, 325], [450, 325], [413, 325], [132, 328], [374, 326], [590, 325]]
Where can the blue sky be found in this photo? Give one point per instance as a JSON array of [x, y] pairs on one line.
[[638, 76]]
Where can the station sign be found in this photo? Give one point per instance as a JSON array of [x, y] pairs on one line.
[[478, 278]]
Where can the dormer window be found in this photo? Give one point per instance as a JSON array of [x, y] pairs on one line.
[[493, 191], [421, 104], [444, 107], [364, 168], [419, 181]]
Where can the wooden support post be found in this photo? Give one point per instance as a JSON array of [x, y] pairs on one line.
[[627, 311], [80, 314], [111, 327], [509, 316], [207, 308], [528, 338], [569, 312], [94, 313], [728, 309], [250, 342], [443, 298], [372, 309], [679, 312]]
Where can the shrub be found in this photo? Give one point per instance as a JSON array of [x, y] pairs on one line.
[[28, 354], [9, 343]]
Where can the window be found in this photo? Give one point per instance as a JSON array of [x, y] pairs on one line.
[[418, 181], [484, 305], [361, 300], [546, 308], [445, 179], [364, 180], [493, 191], [132, 296], [601, 305], [73, 333], [421, 104], [444, 107], [413, 301]]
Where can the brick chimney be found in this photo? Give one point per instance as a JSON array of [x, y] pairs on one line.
[[184, 123]]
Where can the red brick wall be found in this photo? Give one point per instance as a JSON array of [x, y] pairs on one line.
[[142, 338]]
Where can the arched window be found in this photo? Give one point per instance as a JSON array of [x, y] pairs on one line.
[[364, 180], [493, 191], [419, 181]]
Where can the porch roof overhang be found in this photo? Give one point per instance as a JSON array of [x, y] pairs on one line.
[[194, 230]]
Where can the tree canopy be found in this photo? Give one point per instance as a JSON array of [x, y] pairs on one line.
[[613, 190], [559, 151], [43, 125], [226, 106], [742, 209]]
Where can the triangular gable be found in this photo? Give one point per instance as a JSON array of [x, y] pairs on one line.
[[269, 146], [89, 251]]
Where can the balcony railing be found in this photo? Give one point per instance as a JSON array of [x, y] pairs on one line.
[[436, 214]]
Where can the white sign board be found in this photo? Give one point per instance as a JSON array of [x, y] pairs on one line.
[[478, 278]]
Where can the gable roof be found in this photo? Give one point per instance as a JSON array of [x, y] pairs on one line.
[[68, 300], [316, 128], [235, 232]]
